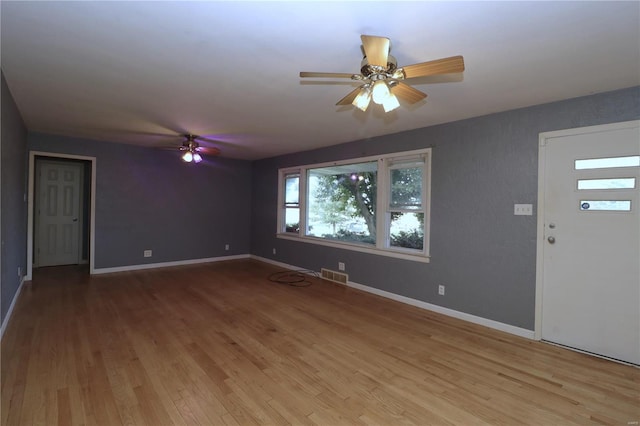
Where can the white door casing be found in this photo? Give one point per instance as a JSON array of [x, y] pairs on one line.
[[58, 213], [588, 278], [31, 201]]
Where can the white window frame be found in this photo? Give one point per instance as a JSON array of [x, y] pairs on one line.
[[382, 247], [282, 207], [401, 162]]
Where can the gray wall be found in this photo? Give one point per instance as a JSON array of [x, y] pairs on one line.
[[13, 213], [481, 167], [149, 199]]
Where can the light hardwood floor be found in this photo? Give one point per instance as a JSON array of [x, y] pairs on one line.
[[220, 344]]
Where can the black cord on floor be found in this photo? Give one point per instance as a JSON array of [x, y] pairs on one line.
[[297, 278]]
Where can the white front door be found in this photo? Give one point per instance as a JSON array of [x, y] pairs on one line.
[[590, 243], [57, 239]]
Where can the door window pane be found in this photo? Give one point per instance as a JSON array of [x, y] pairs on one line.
[[605, 163], [613, 183], [606, 205]]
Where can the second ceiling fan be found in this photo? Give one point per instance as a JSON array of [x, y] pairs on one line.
[[382, 78], [191, 149]]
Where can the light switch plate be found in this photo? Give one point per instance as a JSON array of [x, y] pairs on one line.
[[523, 209]]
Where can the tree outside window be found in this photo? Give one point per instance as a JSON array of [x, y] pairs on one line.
[[342, 202]]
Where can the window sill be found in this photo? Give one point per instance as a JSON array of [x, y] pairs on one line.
[[356, 247]]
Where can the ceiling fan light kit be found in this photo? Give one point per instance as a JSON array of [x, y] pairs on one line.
[[363, 98], [382, 79], [390, 103], [192, 150], [189, 157]]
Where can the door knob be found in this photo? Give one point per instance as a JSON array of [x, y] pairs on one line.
[[75, 219], [551, 240]]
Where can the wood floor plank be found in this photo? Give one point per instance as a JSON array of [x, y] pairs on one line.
[[221, 344]]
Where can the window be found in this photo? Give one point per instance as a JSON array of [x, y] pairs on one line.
[[374, 204], [406, 209], [292, 202], [342, 202]]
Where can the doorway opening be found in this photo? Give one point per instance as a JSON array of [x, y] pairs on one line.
[[61, 211]]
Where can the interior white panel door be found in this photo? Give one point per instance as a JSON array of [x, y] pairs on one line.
[[591, 248], [58, 214]]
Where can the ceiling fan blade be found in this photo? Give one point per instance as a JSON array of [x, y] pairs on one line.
[[376, 49], [347, 100], [208, 150], [439, 66], [407, 93], [325, 74]]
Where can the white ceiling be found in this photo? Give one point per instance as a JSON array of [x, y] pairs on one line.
[[144, 72]]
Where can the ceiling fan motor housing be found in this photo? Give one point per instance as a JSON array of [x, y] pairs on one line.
[[369, 71]]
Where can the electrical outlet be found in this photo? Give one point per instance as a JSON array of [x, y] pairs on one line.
[[441, 290], [274, 250], [340, 266], [226, 246], [19, 272], [147, 253]]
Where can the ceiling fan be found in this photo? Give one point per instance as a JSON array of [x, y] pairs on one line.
[[383, 80], [191, 149]]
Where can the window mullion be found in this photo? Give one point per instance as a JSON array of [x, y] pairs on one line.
[[281, 196], [302, 202], [426, 201], [382, 205]]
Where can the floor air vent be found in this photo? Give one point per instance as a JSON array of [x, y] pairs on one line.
[[336, 277]]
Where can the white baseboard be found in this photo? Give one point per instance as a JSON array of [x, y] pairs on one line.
[[7, 317], [511, 329], [496, 325], [276, 263], [166, 264]]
